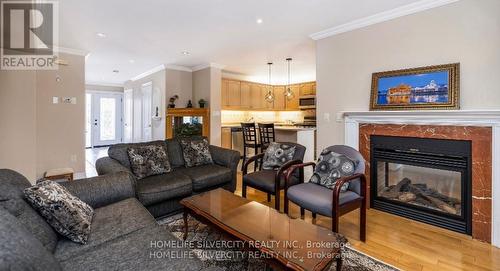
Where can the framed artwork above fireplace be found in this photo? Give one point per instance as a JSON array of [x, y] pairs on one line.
[[433, 87]]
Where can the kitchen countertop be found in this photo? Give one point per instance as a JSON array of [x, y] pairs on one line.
[[277, 127]]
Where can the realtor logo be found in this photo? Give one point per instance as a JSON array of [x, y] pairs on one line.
[[28, 34]]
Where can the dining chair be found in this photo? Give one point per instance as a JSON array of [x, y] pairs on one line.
[[267, 135]]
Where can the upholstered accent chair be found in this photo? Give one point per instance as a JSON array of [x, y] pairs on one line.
[[330, 202], [271, 181]]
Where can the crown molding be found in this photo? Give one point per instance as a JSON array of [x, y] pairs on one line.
[[209, 65], [102, 83], [381, 17], [149, 72], [178, 68], [71, 51]]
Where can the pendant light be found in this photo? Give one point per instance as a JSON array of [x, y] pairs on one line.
[[288, 91], [269, 95]]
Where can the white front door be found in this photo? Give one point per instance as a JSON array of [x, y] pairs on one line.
[[106, 119]]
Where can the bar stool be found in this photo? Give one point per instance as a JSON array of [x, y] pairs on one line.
[[266, 133], [249, 141]]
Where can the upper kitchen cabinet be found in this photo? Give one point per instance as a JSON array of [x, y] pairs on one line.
[[293, 103], [279, 98], [245, 95], [233, 94], [307, 89], [242, 95]]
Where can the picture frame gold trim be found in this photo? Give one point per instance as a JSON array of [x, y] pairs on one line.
[[453, 88]]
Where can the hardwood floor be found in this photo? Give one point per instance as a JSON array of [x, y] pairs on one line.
[[403, 243]]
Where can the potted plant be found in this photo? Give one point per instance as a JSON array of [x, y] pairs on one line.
[[202, 103]]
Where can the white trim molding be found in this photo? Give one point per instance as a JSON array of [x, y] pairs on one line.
[[71, 51], [149, 72], [484, 118], [209, 65], [178, 68], [105, 84], [381, 17]]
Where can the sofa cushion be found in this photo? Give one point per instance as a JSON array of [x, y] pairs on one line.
[[20, 249], [110, 222], [317, 198], [136, 251], [12, 185], [175, 155], [119, 152], [207, 176], [67, 214], [149, 160], [277, 154], [158, 188], [196, 152]]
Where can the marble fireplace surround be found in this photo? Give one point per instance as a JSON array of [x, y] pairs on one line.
[[480, 126]]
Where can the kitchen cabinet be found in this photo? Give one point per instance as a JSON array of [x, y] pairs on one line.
[[279, 97], [293, 103], [234, 94], [245, 95], [226, 138], [242, 95], [307, 89]]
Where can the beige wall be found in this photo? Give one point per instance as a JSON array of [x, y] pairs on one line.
[[207, 86], [179, 83], [467, 32], [38, 135]]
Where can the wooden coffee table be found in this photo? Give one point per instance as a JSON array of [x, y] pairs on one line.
[[292, 244]]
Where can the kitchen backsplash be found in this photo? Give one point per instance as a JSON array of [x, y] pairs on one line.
[[230, 116]]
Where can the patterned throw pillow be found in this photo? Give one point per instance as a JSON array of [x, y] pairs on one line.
[[332, 166], [67, 214], [148, 160], [277, 154], [196, 152]]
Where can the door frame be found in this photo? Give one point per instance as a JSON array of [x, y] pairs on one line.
[[119, 117]]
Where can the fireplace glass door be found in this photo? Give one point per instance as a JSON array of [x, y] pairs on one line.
[[436, 189]]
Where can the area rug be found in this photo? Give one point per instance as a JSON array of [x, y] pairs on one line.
[[197, 231]]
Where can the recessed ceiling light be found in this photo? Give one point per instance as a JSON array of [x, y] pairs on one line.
[[116, 71], [259, 21], [101, 35], [131, 61], [186, 53]]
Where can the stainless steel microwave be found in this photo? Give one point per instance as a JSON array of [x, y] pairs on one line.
[[307, 102]]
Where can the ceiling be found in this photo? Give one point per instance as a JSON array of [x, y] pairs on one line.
[[141, 35]]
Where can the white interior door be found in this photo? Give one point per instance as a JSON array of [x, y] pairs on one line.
[[128, 112], [106, 118], [147, 111]]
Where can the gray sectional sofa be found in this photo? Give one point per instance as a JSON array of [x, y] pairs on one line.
[[161, 194], [121, 235]]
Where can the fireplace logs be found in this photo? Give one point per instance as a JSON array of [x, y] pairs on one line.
[[420, 194]]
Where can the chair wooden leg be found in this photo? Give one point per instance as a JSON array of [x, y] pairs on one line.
[[302, 212], [314, 218], [335, 223], [277, 200], [286, 205], [338, 260], [255, 162], [244, 157], [268, 197], [244, 190], [362, 221]]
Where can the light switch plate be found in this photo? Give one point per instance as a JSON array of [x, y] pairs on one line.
[[340, 116], [69, 100], [326, 117], [55, 100]]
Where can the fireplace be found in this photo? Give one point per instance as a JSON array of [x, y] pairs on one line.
[[424, 179]]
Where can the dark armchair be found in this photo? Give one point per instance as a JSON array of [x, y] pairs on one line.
[[269, 180], [330, 202]]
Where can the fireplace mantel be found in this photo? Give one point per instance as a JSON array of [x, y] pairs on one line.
[[479, 118]]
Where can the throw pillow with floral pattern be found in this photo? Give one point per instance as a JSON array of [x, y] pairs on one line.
[[332, 166], [277, 154], [196, 152], [67, 214], [148, 160]]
